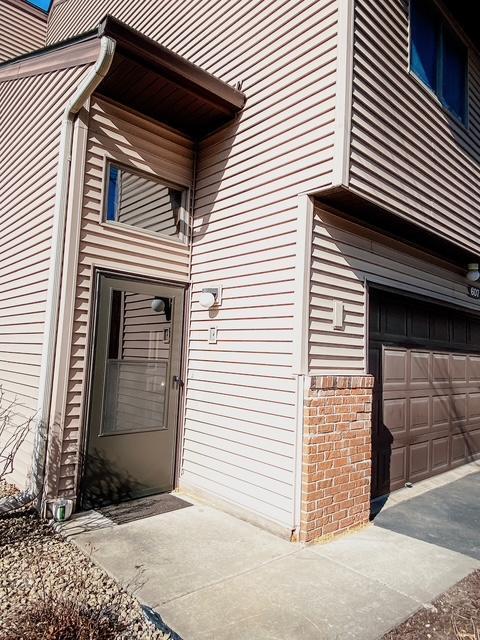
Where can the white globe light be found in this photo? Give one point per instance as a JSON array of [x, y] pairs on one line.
[[158, 305], [473, 274], [206, 299]]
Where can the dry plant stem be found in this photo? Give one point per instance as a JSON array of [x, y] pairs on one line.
[[12, 435]]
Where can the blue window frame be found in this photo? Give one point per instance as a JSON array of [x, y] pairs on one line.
[[438, 57]]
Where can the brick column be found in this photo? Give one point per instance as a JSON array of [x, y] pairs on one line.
[[336, 456]]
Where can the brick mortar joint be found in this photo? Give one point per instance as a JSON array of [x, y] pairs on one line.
[[324, 383]]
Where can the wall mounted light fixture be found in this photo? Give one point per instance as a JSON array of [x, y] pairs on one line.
[[210, 296], [162, 305], [473, 273]]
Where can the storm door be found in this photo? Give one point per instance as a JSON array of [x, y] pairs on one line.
[[135, 389]]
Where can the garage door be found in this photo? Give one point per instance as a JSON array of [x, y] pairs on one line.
[[426, 405]]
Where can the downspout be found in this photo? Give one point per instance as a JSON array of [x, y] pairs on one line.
[[83, 92]]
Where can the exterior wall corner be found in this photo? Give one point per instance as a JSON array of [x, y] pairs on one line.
[[336, 470]]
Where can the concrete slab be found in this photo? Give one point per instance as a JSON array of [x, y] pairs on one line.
[[211, 576], [175, 553], [317, 598], [416, 569]]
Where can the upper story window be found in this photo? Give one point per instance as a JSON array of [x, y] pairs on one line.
[[145, 203], [438, 57]]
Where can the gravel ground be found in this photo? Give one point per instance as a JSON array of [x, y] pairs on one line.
[[35, 561], [455, 615]]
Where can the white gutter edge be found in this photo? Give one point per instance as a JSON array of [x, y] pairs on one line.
[[305, 213], [42, 417]]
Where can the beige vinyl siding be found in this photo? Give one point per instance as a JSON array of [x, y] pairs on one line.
[[21, 30], [407, 153], [345, 257], [130, 140], [30, 116], [240, 417], [240, 420]]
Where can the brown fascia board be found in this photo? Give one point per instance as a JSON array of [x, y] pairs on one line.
[[60, 56], [148, 52], [24, 6]]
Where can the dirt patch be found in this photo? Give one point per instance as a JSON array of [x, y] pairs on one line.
[[455, 615]]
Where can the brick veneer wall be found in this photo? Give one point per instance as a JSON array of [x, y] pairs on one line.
[[336, 455]]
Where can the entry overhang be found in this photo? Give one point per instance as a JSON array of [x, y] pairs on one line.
[[144, 75], [148, 77]]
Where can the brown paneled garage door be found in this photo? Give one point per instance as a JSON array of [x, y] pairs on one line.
[[426, 411]]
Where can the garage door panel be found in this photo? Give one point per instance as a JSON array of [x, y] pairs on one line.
[[473, 447], [458, 448], [458, 407], [459, 369], [427, 391], [395, 322], [396, 461], [473, 366], [394, 368], [460, 330], [439, 328], [420, 414], [440, 454], [440, 368], [441, 412], [394, 415], [420, 324], [420, 369], [474, 406], [419, 461], [474, 333]]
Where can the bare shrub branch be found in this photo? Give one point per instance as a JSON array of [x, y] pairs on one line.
[[12, 434]]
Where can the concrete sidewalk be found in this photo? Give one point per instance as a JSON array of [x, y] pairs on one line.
[[212, 576]]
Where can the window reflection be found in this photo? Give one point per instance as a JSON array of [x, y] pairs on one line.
[[145, 203]]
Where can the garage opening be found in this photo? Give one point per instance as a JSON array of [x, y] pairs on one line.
[[426, 403]]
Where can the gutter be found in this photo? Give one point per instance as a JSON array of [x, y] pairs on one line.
[[82, 94]]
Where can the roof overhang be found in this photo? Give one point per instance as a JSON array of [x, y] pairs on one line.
[[144, 76], [150, 78]]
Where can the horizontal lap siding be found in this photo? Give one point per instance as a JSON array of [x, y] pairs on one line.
[[344, 257], [20, 31], [240, 423], [30, 110], [407, 153], [130, 140], [240, 396]]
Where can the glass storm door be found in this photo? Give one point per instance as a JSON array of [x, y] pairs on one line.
[[134, 391]]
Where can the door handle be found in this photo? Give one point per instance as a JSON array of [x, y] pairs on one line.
[[177, 381]]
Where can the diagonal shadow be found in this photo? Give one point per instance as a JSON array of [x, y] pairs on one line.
[[448, 517]]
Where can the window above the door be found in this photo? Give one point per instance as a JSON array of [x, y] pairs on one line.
[[145, 203], [439, 57]]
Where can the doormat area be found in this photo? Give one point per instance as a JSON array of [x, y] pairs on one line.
[[143, 508]]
